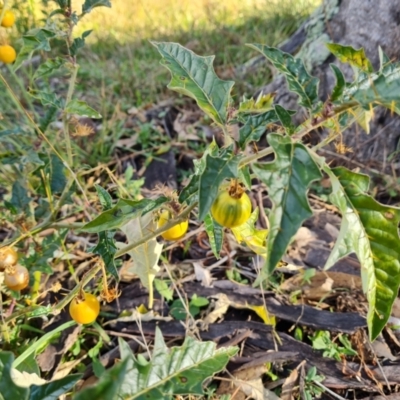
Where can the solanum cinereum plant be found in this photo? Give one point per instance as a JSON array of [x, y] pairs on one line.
[[221, 178]]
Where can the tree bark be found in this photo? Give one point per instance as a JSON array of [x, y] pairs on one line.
[[359, 23]]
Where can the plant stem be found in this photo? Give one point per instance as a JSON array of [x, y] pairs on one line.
[[172, 222], [267, 151], [85, 280], [70, 92]]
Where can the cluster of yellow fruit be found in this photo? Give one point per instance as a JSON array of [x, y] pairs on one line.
[[231, 208], [7, 52], [16, 277]]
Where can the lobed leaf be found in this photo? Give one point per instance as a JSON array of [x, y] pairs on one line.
[[288, 178], [34, 40], [349, 55], [48, 67], [370, 229], [108, 386], [54, 389], [381, 88], [106, 246], [121, 213], [298, 79], [194, 76], [254, 126], [8, 389], [82, 109], [285, 119], [179, 370]]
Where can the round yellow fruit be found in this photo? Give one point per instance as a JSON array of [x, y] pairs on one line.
[[8, 19], [8, 257], [16, 277], [230, 211], [177, 231], [7, 54], [84, 310]]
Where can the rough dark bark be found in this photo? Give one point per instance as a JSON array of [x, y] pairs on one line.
[[359, 23]]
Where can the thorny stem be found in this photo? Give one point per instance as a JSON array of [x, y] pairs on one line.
[[70, 92], [267, 151]]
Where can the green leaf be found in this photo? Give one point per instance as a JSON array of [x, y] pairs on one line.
[[48, 67], [79, 43], [340, 83], [104, 197], [54, 389], [19, 197], [106, 246], [179, 370], [108, 386], [286, 119], [164, 290], [215, 234], [298, 79], [288, 178], [47, 99], [254, 126], [29, 365], [245, 177], [384, 60], [121, 213], [349, 55], [82, 109], [248, 233], [49, 116], [88, 5], [190, 189], [8, 389], [370, 229], [56, 170], [217, 169], [382, 88], [39, 344], [194, 76], [34, 40]]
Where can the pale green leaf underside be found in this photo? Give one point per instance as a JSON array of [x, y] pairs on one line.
[[287, 178], [370, 229], [179, 370], [194, 76], [145, 257]]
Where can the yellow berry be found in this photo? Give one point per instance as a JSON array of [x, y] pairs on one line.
[[7, 54], [84, 310], [8, 19]]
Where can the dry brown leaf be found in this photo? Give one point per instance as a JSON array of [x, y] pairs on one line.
[[289, 385], [220, 308], [202, 274], [321, 284]]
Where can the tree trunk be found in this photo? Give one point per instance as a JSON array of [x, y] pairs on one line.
[[359, 23]]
